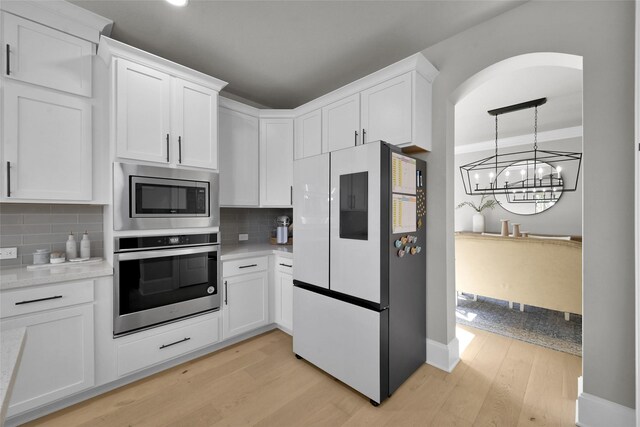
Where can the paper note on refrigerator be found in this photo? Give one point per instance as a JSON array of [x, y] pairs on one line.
[[403, 173], [404, 214]]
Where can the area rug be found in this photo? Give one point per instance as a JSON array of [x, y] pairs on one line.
[[535, 325]]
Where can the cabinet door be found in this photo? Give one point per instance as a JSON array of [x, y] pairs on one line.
[[143, 110], [47, 144], [239, 165], [386, 111], [308, 130], [245, 303], [195, 118], [341, 124], [45, 57], [284, 300], [57, 359], [276, 162]]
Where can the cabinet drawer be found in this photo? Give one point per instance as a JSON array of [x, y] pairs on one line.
[[284, 264], [244, 266], [140, 354], [24, 301]]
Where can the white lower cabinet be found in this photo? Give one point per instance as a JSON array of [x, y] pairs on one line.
[[143, 350], [58, 356], [283, 289], [245, 303]]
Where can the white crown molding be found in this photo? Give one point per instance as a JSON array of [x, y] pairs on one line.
[[109, 48], [551, 135], [443, 357], [416, 62], [62, 16], [263, 113], [232, 104], [277, 114]]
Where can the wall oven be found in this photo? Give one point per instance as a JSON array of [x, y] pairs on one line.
[[148, 197], [160, 279]]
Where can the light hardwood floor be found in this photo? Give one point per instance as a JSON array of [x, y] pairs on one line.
[[498, 382]]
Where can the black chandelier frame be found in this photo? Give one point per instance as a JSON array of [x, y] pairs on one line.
[[530, 188]]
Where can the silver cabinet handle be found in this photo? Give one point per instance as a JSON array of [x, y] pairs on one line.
[[355, 138], [8, 60], [291, 195], [179, 149], [174, 343], [225, 293], [286, 265], [38, 300], [364, 136], [8, 179], [167, 148]]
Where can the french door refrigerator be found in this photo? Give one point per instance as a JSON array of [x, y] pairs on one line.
[[359, 308]]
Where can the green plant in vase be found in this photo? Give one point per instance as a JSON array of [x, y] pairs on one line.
[[478, 217]]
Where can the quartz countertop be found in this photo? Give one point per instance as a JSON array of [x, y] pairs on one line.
[[254, 249], [11, 346], [20, 277]]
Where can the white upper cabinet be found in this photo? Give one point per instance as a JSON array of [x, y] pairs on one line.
[[276, 162], [164, 112], [239, 154], [308, 134], [46, 148], [341, 124], [386, 111], [195, 118], [40, 55], [392, 105], [143, 112]]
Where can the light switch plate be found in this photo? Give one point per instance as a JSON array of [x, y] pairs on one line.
[[242, 237], [8, 253]]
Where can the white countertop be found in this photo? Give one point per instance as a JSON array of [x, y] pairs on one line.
[[13, 278], [11, 346], [255, 249]]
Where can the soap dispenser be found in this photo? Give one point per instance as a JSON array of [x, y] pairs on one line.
[[72, 249], [85, 246]]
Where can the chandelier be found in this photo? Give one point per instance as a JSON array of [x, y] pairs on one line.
[[532, 176]]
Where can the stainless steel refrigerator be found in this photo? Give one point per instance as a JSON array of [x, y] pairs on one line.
[[359, 298]]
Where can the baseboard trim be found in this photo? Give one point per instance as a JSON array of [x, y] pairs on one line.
[[594, 411], [443, 357]]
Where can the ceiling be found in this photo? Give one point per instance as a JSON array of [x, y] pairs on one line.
[[282, 54], [561, 86]]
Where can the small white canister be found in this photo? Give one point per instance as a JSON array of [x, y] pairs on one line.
[[41, 256]]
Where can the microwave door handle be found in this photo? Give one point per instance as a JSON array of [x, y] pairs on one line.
[[165, 253]]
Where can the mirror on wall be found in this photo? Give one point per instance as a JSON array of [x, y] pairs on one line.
[[545, 194]]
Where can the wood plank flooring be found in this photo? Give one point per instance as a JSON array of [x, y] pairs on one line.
[[498, 382]]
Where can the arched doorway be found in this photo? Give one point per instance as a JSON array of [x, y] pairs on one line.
[[542, 272]]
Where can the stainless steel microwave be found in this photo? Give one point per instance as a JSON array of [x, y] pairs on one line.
[[157, 198]]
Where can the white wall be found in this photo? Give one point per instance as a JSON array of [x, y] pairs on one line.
[[602, 33], [564, 218]]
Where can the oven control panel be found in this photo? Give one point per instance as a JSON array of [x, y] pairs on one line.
[[123, 244]]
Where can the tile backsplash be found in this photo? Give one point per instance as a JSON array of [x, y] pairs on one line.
[[258, 223], [46, 226]]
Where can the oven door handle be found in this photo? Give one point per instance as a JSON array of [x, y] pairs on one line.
[[165, 253]]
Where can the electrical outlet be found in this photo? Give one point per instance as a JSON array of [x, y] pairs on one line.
[[242, 237], [8, 253]]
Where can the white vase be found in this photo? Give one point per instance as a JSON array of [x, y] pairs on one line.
[[478, 223]]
